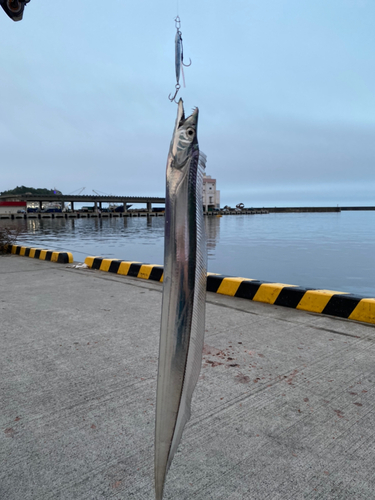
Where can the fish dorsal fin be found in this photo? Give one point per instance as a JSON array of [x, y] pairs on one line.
[[202, 162]]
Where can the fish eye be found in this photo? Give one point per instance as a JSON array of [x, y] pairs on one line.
[[190, 133]]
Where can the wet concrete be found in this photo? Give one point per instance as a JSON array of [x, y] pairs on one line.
[[284, 408]]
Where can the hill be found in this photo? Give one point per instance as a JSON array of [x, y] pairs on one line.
[[24, 190]]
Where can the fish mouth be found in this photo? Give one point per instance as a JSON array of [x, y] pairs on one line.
[[180, 112], [193, 118]]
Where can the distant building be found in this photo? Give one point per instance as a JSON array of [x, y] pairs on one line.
[[12, 207], [211, 196]]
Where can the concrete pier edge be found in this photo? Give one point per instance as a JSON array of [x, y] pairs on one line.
[[329, 302], [283, 408]]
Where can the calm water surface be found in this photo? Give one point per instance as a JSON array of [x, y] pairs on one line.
[[320, 250]]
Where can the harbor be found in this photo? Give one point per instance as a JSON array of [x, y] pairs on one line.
[[198, 322], [283, 408]]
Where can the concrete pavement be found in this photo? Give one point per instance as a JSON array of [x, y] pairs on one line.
[[284, 408]]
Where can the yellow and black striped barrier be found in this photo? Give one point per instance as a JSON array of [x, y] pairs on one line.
[[340, 304], [40, 253], [134, 269]]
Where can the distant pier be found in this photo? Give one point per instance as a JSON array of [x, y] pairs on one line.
[[109, 215], [83, 198], [122, 209], [80, 215]]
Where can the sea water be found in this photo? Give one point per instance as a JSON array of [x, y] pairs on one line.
[[334, 251]]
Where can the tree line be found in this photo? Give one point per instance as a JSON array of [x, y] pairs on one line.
[[30, 190]]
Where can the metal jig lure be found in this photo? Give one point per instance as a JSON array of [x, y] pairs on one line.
[[179, 60]]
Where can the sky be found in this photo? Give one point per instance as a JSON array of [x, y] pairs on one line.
[[285, 91]]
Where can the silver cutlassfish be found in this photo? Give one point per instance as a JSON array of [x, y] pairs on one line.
[[184, 292]]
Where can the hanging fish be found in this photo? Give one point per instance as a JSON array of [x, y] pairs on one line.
[[184, 292], [179, 59]]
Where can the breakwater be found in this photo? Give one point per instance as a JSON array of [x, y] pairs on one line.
[[280, 210]]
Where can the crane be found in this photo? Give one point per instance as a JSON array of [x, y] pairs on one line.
[[79, 189], [100, 193]]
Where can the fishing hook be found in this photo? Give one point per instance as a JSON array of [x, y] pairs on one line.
[[179, 33], [178, 86]]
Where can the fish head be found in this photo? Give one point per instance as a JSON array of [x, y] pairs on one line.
[[184, 141]]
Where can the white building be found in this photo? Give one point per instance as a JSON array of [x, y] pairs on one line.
[[211, 196]]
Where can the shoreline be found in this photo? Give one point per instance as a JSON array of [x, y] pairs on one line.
[[145, 213]]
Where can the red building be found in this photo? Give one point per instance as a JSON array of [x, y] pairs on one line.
[[12, 207]]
